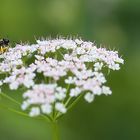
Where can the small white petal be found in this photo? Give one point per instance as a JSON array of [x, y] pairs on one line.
[[89, 97], [47, 108], [14, 85], [25, 105], [106, 90], [60, 107], [35, 111]]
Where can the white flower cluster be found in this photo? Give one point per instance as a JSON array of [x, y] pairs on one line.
[[47, 68]]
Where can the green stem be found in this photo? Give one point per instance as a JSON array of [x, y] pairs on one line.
[[60, 114], [66, 103], [70, 106], [13, 110], [10, 98], [68, 100], [47, 118], [55, 131], [75, 101]]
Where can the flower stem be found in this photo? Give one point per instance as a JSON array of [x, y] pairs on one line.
[[55, 130], [47, 118], [75, 101], [59, 115], [10, 98]]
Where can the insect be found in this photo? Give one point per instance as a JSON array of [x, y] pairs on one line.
[[4, 45]]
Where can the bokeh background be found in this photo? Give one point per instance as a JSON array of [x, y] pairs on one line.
[[111, 23]]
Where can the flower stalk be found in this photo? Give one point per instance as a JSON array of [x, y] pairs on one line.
[[55, 130], [55, 74]]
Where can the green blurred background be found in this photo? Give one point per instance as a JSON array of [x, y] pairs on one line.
[[112, 23]]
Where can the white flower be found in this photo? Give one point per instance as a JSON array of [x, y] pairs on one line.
[[100, 77], [60, 107], [78, 41], [115, 66], [80, 50], [46, 108], [35, 111], [89, 97], [97, 90], [74, 92], [60, 93], [14, 85], [119, 60], [28, 83], [98, 66], [70, 80], [46, 68], [25, 105], [106, 90], [39, 57]]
